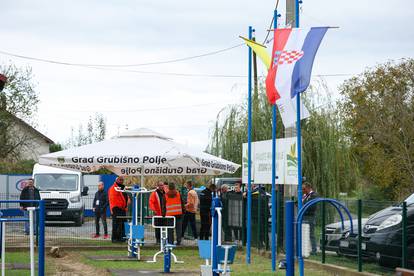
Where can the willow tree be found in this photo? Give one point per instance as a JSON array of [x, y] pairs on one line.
[[327, 158]]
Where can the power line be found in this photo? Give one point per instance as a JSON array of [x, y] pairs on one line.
[[271, 24], [142, 109], [120, 65], [167, 73]]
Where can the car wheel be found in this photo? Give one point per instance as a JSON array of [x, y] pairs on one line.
[[387, 261]]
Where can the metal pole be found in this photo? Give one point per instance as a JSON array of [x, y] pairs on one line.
[[274, 216], [249, 154], [3, 249], [289, 236], [323, 231], [41, 249], [359, 235], [404, 255], [298, 128], [134, 221], [141, 203], [31, 236], [1, 235], [215, 235], [258, 241]]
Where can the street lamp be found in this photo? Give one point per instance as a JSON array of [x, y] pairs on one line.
[[3, 80]]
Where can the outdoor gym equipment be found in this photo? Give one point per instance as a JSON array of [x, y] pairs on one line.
[[41, 244], [135, 232], [290, 221], [164, 223], [221, 255]]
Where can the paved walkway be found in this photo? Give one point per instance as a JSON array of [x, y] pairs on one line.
[[133, 272]]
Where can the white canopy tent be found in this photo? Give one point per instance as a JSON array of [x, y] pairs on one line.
[[139, 152]]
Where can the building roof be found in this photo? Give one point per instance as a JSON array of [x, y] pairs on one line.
[[41, 135]]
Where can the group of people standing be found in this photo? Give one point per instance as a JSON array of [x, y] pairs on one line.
[[167, 201]]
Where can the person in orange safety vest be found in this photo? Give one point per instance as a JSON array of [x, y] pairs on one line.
[[174, 206]]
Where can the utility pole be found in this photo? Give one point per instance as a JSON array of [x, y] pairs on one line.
[[290, 13], [290, 22]]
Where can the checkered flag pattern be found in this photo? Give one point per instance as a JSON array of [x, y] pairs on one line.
[[287, 57]]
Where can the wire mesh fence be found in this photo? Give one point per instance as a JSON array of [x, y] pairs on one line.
[[384, 240]]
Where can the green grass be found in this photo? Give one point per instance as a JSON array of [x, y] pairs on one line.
[[259, 265], [19, 272], [24, 258], [367, 266]]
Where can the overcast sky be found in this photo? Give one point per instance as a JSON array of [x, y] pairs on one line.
[[134, 32]]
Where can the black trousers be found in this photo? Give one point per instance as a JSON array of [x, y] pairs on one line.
[[101, 214], [205, 225], [118, 232], [190, 218], [178, 230]]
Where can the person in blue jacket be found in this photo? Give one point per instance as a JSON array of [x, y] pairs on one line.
[[100, 204]]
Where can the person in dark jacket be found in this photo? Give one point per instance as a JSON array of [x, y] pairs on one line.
[[224, 190], [100, 204], [309, 216], [237, 195], [206, 197], [29, 192]]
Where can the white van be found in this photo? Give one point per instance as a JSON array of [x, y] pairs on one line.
[[62, 191]]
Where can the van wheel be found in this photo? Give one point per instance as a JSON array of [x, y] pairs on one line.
[[79, 221]]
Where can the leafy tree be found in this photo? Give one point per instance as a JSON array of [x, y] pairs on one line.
[[55, 147], [378, 112], [95, 132], [18, 101], [19, 167]]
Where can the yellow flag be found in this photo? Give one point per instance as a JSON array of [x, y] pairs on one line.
[[260, 50]]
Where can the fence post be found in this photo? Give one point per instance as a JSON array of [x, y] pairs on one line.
[[258, 240], [359, 235], [323, 231], [41, 249], [266, 223], [404, 235], [243, 222]]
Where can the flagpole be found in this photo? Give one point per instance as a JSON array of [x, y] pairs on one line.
[[298, 127], [274, 238], [249, 153]]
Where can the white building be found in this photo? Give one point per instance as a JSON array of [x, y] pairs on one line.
[[32, 142]]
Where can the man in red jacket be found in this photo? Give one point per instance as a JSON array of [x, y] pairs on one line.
[[118, 204], [157, 204]]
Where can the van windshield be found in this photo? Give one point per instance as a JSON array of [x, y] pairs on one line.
[[56, 182]]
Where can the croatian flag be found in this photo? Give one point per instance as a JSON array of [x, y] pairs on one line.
[[293, 54]]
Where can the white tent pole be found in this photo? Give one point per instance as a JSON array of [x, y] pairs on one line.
[[3, 248], [140, 209], [32, 263]]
